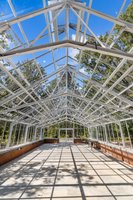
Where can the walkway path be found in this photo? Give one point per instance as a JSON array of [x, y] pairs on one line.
[[66, 172]]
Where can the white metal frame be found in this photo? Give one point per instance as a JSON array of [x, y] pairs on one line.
[[66, 139], [66, 102]]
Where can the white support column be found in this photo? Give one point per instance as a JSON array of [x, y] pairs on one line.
[[118, 138], [19, 132], [96, 133], [90, 131], [40, 134], [106, 135], [22, 135], [73, 130], [10, 135], [59, 134], [35, 133], [3, 132], [128, 135], [26, 134], [66, 134], [88, 134], [122, 135], [112, 131], [15, 129], [73, 134], [108, 130]]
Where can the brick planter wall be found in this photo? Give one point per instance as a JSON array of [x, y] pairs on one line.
[[80, 141], [51, 140], [117, 153], [14, 153]]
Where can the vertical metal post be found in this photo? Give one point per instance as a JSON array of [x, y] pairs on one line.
[[74, 130], [89, 135], [112, 132], [40, 133], [35, 133], [26, 134], [4, 128], [90, 129], [66, 134], [106, 135], [109, 138], [59, 134], [15, 129], [22, 134], [122, 135], [83, 128], [118, 138], [10, 135], [128, 135], [19, 133], [96, 133]]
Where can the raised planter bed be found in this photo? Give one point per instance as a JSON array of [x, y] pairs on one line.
[[14, 152], [51, 140], [80, 141], [120, 154]]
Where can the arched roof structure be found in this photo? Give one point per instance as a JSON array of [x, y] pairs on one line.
[[54, 38]]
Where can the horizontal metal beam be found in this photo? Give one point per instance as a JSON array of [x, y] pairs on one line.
[[106, 89], [4, 25], [71, 44], [20, 92], [118, 21]]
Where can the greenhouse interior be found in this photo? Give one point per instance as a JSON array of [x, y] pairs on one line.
[[66, 99]]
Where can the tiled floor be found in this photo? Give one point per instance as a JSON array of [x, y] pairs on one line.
[[66, 172]]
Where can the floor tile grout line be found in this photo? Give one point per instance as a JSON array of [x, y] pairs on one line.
[[21, 168], [97, 174], [118, 161], [113, 169], [35, 173], [78, 176], [81, 150], [56, 175]]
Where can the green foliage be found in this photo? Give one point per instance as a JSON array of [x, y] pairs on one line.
[[126, 40], [5, 40], [99, 72], [30, 70], [107, 63]]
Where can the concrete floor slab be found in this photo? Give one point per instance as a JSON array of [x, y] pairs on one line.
[[10, 192], [121, 189], [67, 191], [125, 198], [127, 178], [127, 171], [96, 190], [100, 166], [66, 172], [66, 180], [90, 172], [112, 179], [90, 180], [17, 181], [100, 198], [105, 172], [37, 192], [43, 181]]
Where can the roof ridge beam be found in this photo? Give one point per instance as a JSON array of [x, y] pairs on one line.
[[68, 43]]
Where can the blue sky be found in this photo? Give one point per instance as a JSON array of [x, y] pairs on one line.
[[110, 7], [33, 27]]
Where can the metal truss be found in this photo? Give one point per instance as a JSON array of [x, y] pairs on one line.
[[66, 92]]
